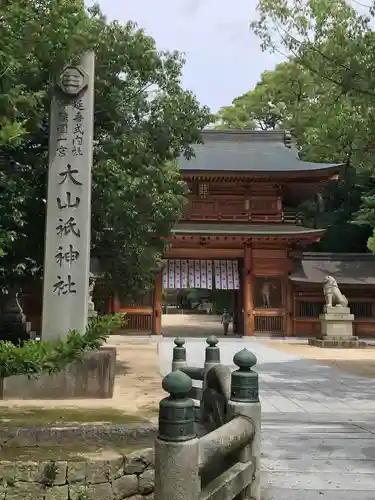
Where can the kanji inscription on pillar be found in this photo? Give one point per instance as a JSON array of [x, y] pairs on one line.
[[67, 248]]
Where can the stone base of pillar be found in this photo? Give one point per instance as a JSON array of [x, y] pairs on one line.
[[338, 343], [13, 325], [336, 326]]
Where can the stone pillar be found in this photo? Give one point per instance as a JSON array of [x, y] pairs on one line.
[[179, 354], [336, 328], [248, 317], [177, 447], [67, 244], [157, 305], [244, 401], [212, 357]]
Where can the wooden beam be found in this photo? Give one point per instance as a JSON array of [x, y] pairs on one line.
[[261, 176], [136, 310], [204, 253]]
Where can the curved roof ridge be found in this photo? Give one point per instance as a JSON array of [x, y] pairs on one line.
[[220, 134], [249, 151]]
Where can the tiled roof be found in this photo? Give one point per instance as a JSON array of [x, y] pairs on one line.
[[248, 151], [347, 269]]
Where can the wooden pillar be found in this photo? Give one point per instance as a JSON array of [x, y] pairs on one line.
[[115, 303], [235, 310], [157, 305], [289, 309], [248, 317], [289, 302]]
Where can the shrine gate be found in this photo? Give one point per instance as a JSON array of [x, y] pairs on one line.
[[242, 231]]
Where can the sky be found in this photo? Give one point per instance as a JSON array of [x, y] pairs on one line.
[[223, 57]]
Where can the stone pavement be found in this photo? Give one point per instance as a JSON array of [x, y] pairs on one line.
[[191, 325], [318, 429]]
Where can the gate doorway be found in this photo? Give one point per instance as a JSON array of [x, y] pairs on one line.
[[200, 315], [195, 295]]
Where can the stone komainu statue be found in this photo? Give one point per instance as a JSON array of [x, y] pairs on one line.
[[332, 293]]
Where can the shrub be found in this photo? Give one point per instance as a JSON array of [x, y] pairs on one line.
[[35, 357]]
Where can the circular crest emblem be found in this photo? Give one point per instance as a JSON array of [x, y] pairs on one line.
[[72, 80]]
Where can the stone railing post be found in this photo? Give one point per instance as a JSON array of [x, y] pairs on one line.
[[212, 357], [179, 354], [177, 447], [244, 401]]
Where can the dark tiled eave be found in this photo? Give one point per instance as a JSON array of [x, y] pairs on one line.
[[239, 152], [254, 175], [347, 269], [214, 229]]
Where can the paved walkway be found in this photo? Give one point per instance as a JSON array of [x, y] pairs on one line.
[[318, 439], [191, 325]]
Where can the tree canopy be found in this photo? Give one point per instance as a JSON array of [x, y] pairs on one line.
[[143, 121], [276, 101], [324, 95], [334, 43]]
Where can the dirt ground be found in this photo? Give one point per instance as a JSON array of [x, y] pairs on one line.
[[138, 384], [357, 361], [137, 387]]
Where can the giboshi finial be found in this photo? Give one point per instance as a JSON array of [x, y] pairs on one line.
[[212, 341], [179, 342], [177, 383], [245, 359]]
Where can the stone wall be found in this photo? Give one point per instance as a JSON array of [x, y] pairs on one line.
[[93, 376], [130, 477]]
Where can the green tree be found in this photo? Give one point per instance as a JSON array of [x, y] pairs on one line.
[[143, 121], [335, 45], [32, 50], [279, 100], [292, 98]]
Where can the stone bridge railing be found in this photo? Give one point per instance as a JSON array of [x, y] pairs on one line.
[[215, 453]]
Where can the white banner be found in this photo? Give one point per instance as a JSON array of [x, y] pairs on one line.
[[203, 274], [236, 278], [184, 274], [217, 275], [165, 274], [171, 274], [209, 274], [197, 274], [191, 274], [229, 275], [223, 270], [177, 273]]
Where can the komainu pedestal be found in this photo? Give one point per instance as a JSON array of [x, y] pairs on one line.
[[336, 322], [336, 329]]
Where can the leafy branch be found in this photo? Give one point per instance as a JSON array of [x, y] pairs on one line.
[[36, 357]]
